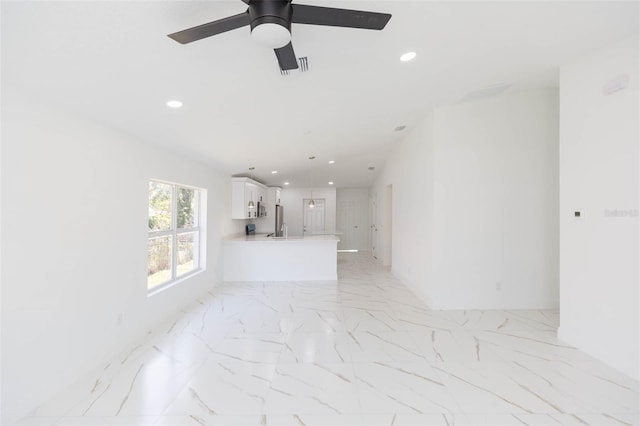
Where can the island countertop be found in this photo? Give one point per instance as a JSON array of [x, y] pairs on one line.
[[262, 238], [261, 258]]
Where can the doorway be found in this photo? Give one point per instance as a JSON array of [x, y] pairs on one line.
[[387, 233], [373, 209], [313, 220]]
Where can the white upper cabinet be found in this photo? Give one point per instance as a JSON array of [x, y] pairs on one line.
[[262, 194], [244, 190]]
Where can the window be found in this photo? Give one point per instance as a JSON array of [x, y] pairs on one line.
[[175, 243]]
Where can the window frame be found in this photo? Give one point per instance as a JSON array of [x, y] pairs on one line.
[[173, 232]]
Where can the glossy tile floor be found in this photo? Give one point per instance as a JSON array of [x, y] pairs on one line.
[[362, 351]]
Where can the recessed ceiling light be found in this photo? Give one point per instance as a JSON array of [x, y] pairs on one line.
[[286, 183], [408, 56], [371, 168], [174, 104], [330, 183], [274, 172], [332, 161]]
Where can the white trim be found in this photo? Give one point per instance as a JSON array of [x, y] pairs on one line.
[[168, 182], [168, 284], [187, 230], [157, 234], [174, 227]]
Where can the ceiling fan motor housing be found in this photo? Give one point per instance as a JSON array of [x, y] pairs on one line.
[[270, 12], [271, 22]]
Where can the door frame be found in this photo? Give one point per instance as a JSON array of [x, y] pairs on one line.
[[387, 229], [305, 201], [373, 229]]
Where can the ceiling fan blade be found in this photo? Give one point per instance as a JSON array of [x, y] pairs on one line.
[[317, 15], [286, 57], [211, 28]]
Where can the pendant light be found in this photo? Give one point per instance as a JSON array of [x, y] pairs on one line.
[[251, 205], [311, 203]]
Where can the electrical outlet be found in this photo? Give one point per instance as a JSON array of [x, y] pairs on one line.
[[615, 85], [498, 286]]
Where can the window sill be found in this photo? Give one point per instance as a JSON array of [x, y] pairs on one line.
[[167, 285]]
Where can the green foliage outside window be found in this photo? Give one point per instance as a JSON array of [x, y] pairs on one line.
[[160, 247], [159, 206], [186, 208]]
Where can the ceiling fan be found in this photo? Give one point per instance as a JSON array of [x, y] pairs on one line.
[[271, 20]]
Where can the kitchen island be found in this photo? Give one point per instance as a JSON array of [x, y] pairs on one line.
[[261, 258]]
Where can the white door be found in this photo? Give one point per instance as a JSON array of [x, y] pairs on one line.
[[313, 217], [353, 218], [374, 224]]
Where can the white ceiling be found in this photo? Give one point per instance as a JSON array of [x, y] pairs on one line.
[[112, 62]]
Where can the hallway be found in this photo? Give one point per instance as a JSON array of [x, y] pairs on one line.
[[363, 350]]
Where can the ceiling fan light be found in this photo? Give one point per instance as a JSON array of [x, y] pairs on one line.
[[273, 36]]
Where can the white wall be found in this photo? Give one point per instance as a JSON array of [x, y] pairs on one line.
[[352, 218], [475, 199], [598, 172], [292, 200], [496, 200], [74, 244], [410, 170]]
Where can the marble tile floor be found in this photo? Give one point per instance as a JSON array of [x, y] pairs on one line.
[[362, 351]]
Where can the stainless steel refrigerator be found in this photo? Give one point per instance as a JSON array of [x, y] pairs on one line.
[[279, 221]]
